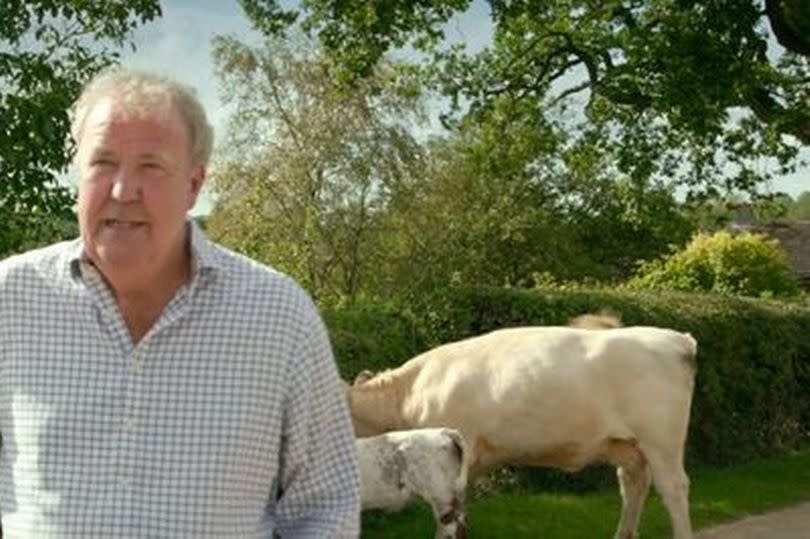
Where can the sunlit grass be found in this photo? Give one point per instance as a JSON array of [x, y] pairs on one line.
[[717, 495]]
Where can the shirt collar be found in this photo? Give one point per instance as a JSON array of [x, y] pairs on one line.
[[203, 254], [204, 257]]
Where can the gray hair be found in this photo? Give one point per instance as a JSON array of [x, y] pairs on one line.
[[139, 90]]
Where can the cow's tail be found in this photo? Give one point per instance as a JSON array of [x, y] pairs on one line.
[[604, 319], [689, 353]]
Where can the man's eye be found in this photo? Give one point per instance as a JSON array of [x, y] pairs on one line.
[[102, 162], [152, 166]]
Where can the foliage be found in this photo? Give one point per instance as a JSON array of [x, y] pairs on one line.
[[685, 92], [307, 171], [479, 213], [24, 231], [790, 20], [800, 208], [745, 265], [719, 214], [48, 48], [493, 208], [619, 218], [372, 336]]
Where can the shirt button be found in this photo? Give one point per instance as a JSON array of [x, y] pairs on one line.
[[130, 424]]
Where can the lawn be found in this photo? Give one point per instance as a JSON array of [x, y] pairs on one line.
[[717, 495]]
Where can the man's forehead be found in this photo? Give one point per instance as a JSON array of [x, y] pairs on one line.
[[108, 113], [107, 122]]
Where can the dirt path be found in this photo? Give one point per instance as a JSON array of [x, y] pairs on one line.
[[790, 523]]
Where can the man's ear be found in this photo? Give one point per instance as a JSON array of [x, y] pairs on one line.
[[196, 183]]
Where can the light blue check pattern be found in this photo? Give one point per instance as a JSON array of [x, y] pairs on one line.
[[227, 420]]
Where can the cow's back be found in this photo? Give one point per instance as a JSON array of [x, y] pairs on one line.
[[526, 392]]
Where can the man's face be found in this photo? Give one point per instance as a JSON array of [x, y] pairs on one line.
[[136, 184]]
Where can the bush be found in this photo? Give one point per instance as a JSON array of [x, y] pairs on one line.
[[740, 265], [371, 336]]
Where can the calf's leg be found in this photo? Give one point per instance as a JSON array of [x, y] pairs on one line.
[[450, 519]]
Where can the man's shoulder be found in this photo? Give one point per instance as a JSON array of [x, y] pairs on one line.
[[246, 273], [45, 262]]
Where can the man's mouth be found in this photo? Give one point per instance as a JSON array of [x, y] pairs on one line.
[[117, 223]]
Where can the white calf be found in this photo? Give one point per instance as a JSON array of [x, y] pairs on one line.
[[397, 467]]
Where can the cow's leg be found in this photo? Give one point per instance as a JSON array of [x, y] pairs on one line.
[[634, 484], [672, 483]]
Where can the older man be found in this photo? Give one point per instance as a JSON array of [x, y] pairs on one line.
[[152, 383]]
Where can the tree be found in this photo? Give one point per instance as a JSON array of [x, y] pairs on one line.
[[790, 20], [495, 207], [308, 171], [48, 48], [681, 91], [800, 208], [479, 214]]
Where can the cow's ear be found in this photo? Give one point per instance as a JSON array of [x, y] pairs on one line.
[[363, 376]]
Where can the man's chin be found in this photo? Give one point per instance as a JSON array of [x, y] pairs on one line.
[[120, 259]]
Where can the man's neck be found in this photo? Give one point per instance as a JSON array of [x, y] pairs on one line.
[[141, 308], [142, 301]]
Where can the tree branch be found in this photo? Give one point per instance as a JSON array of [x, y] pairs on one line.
[[767, 109], [568, 48], [785, 29], [570, 91]]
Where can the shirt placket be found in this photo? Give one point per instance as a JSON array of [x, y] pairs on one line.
[[127, 476], [126, 415], [132, 421]]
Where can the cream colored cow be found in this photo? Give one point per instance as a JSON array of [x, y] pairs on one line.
[[553, 396]]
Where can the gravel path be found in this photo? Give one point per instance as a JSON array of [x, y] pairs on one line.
[[790, 523]]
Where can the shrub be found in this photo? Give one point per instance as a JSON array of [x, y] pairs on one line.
[[371, 336], [740, 265]]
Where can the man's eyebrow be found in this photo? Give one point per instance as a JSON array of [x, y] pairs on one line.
[[101, 152]]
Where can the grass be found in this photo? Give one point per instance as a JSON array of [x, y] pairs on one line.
[[717, 495]]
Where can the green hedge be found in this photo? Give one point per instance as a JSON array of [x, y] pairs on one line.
[[372, 336], [751, 397]]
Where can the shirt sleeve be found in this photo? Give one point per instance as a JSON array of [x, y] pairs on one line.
[[319, 483]]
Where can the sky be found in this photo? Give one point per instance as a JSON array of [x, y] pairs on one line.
[[179, 45]]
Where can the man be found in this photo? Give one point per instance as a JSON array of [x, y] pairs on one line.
[[152, 383]]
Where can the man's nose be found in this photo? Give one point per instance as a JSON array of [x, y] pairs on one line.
[[126, 187]]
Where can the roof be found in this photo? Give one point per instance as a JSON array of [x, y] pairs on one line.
[[793, 236]]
